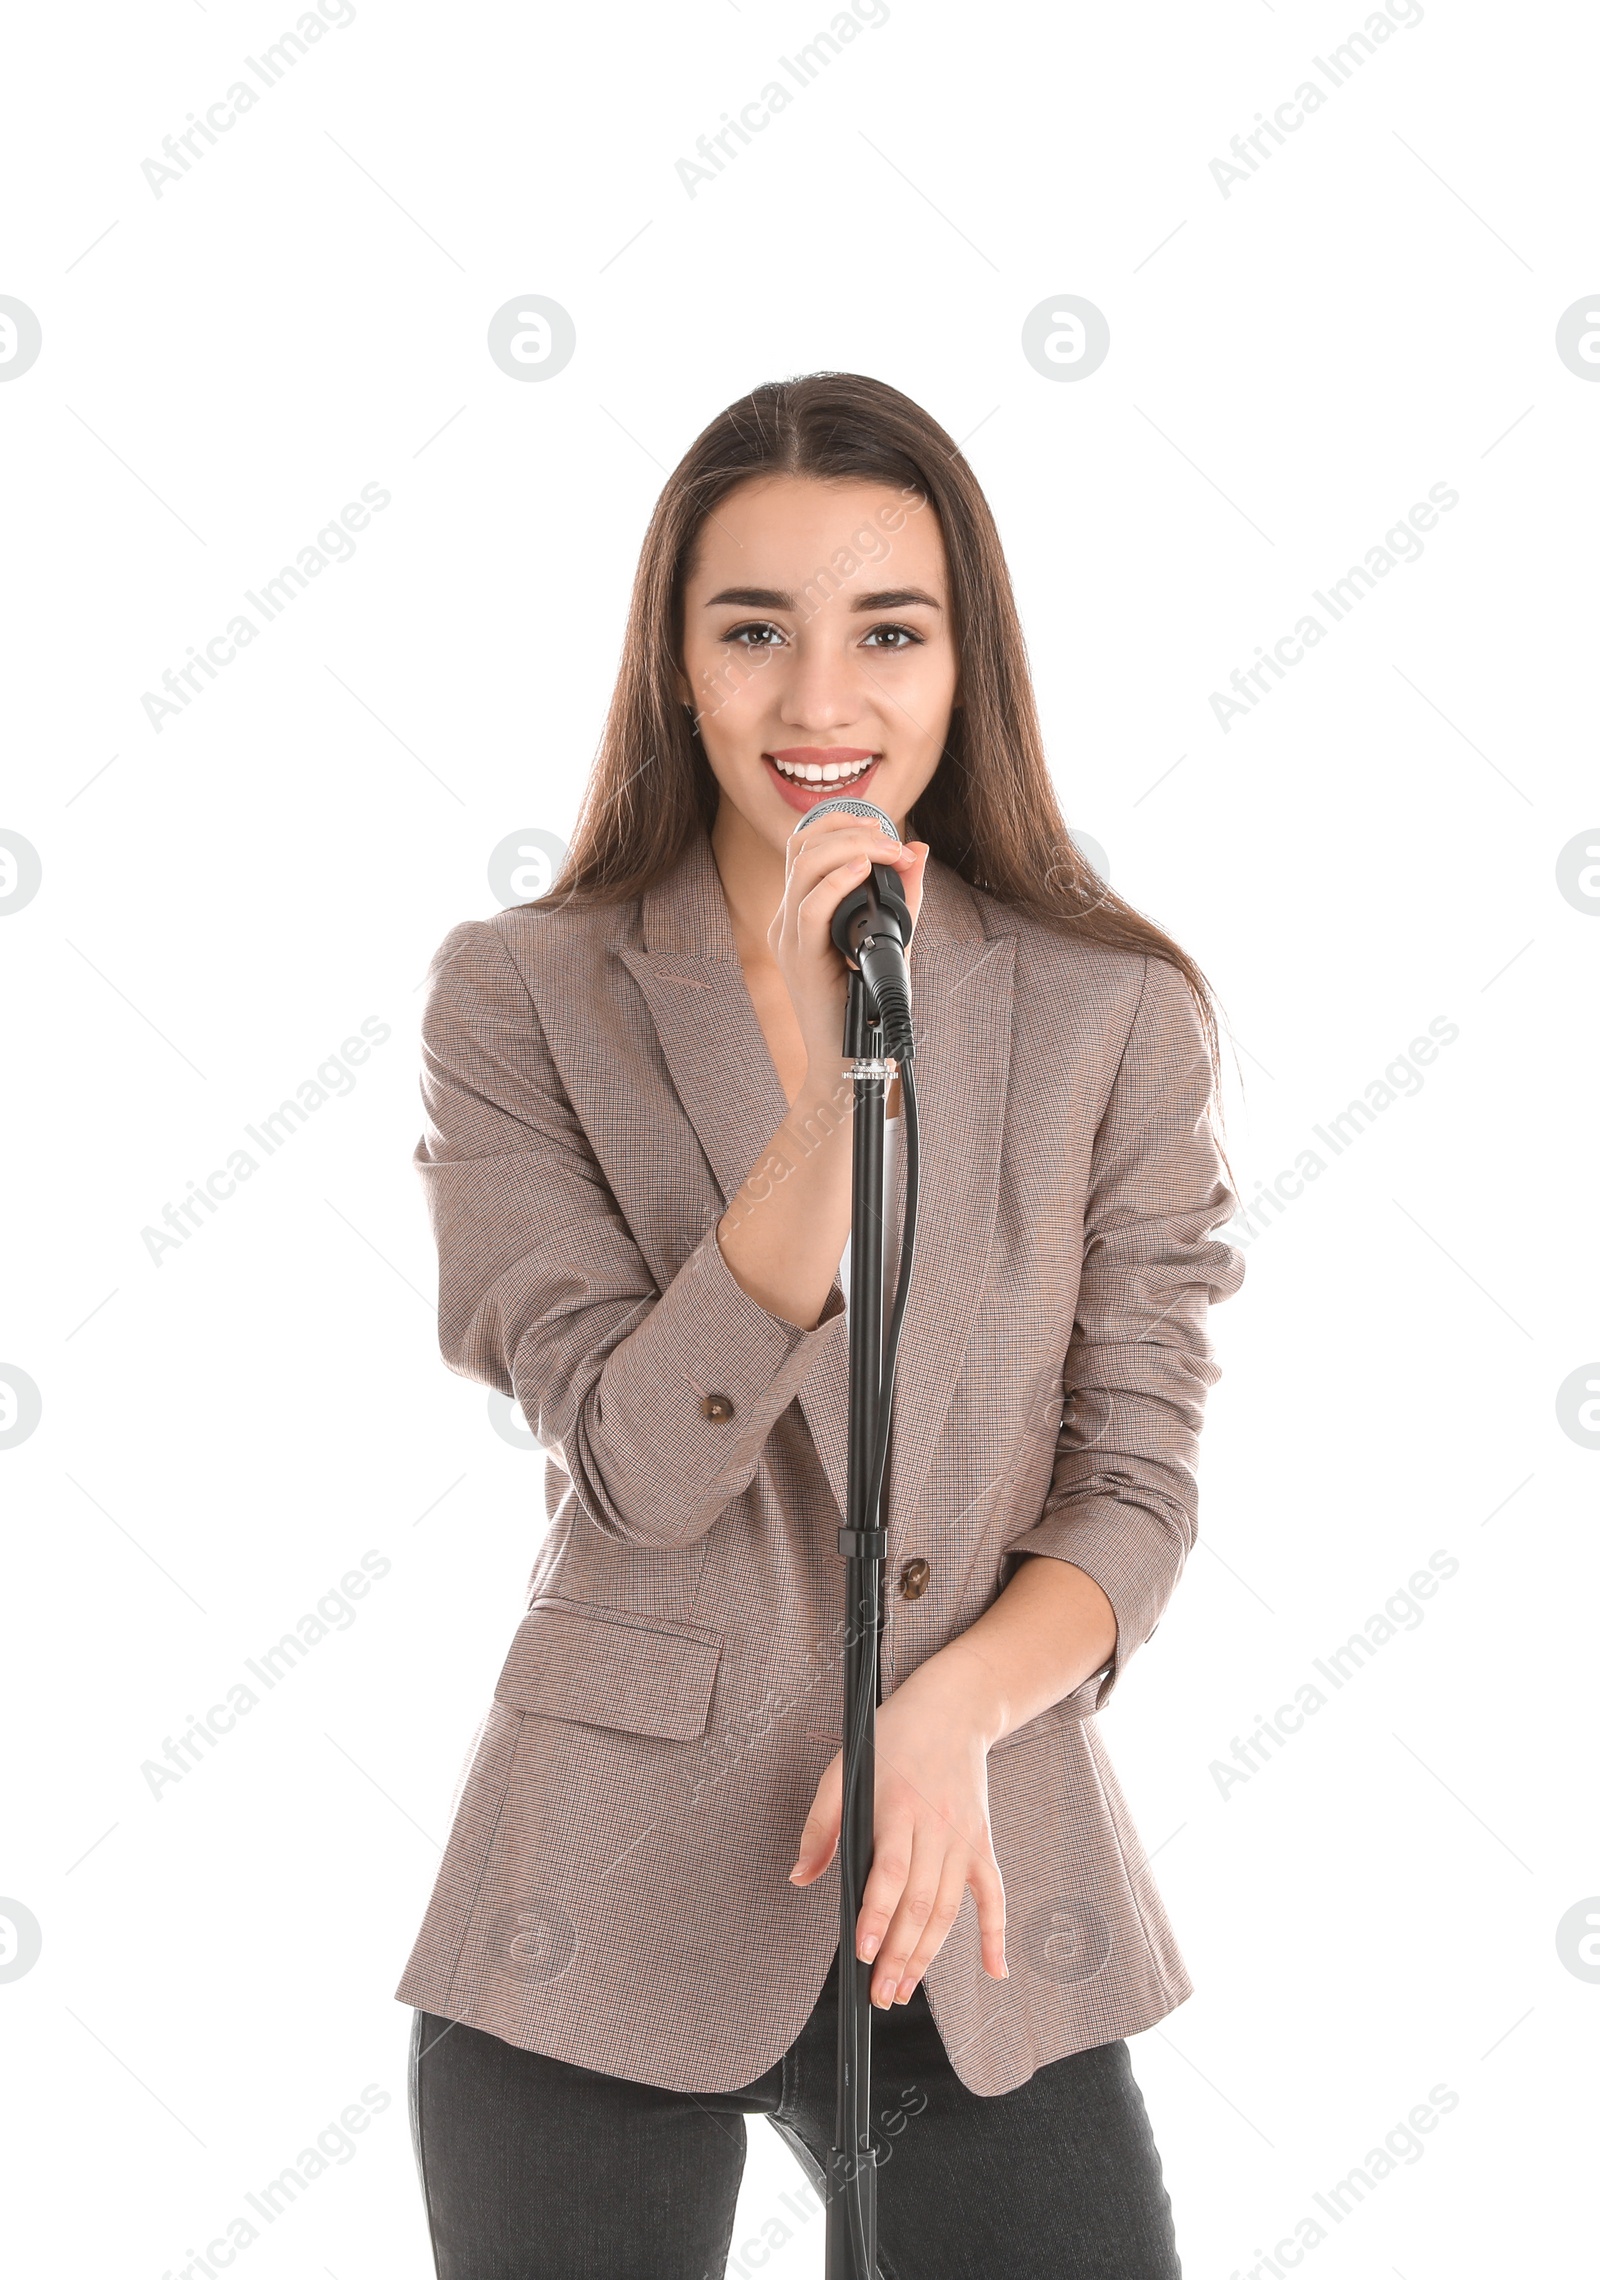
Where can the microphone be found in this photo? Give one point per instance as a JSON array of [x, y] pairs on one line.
[[872, 930]]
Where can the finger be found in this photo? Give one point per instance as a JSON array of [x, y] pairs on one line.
[[821, 1832], [936, 1930], [886, 1881], [918, 1898], [913, 881], [989, 1892], [815, 909], [809, 864], [834, 837], [806, 878], [818, 882], [860, 840], [845, 871], [812, 826], [828, 829], [848, 866]]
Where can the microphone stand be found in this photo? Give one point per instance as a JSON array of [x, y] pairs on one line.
[[852, 2221]]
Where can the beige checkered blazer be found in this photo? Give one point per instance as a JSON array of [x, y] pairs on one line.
[[615, 1887]]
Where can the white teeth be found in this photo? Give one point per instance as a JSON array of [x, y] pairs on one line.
[[814, 773]]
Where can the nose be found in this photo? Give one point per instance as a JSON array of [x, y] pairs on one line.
[[822, 691]]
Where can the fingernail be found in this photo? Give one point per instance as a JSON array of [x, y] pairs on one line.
[[794, 1872], [869, 1947]]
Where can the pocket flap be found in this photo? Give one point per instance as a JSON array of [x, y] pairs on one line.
[[607, 1666]]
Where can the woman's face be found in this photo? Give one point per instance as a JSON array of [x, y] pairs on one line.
[[818, 651]]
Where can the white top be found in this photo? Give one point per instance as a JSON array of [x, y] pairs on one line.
[[891, 1222]]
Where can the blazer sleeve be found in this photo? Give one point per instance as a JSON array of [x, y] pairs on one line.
[[1122, 1502], [544, 1294]]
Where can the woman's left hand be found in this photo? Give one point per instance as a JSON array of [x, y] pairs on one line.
[[931, 1836]]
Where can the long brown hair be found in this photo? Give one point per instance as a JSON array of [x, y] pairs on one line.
[[989, 811]]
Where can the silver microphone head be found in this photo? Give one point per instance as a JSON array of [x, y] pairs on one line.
[[844, 805]]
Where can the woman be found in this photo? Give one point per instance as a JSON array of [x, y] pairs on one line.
[[638, 1166]]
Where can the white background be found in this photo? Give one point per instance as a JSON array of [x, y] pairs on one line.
[[1375, 845]]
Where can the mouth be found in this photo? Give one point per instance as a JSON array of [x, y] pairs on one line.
[[806, 774]]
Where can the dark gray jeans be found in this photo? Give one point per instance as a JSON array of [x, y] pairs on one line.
[[533, 2169]]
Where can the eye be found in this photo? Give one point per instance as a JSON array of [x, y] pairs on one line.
[[907, 638], [737, 633]]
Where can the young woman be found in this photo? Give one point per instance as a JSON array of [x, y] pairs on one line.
[[637, 1161]]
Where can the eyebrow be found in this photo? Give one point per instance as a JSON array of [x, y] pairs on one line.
[[771, 598]]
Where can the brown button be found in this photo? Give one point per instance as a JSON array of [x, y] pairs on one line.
[[914, 1578], [717, 1405]]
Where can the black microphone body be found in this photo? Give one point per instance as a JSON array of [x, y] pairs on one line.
[[872, 930]]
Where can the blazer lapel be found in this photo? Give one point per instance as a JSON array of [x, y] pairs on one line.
[[716, 1054], [713, 1045]]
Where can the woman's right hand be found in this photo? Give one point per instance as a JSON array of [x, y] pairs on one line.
[[825, 860]]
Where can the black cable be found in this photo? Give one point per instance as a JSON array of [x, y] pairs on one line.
[[908, 1244], [867, 1681]]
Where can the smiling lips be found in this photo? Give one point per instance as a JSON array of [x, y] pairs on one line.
[[807, 773]]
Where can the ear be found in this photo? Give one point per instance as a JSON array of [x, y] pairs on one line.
[[681, 688]]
